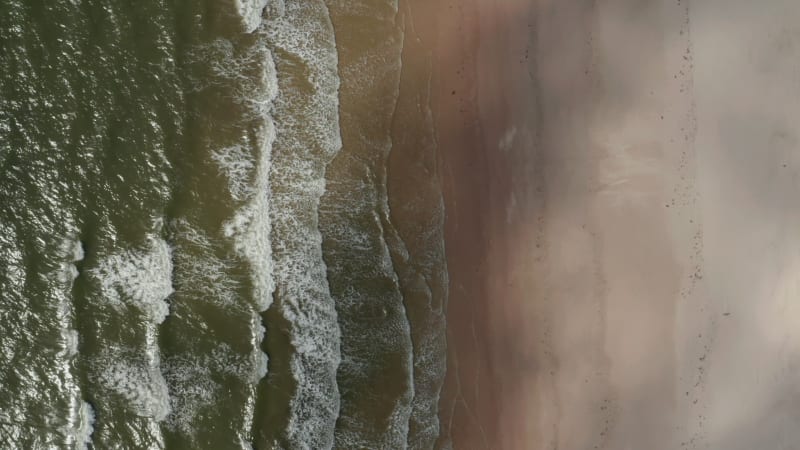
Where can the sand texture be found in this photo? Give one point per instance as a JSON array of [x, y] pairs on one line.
[[621, 185]]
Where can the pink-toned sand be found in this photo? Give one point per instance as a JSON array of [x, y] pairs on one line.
[[620, 181]]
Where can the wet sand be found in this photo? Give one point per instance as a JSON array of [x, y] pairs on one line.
[[485, 109], [618, 180]]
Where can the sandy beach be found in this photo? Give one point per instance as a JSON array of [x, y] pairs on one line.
[[618, 181]]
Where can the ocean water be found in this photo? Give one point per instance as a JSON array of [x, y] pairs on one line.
[[220, 227]]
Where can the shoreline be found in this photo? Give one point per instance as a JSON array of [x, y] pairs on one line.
[[477, 107]]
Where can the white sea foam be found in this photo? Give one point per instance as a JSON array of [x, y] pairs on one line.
[[77, 251], [246, 164], [260, 359], [135, 375], [201, 271], [250, 13], [250, 226], [237, 164], [304, 31], [358, 236], [141, 278], [80, 417], [70, 342], [246, 71], [230, 69], [72, 252], [137, 379], [80, 424], [14, 273], [85, 425], [306, 113]]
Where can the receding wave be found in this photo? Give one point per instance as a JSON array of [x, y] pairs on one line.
[[376, 372], [305, 111]]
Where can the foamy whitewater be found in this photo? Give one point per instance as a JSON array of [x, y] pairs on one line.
[[202, 245]]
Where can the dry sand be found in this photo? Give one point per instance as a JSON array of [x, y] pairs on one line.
[[621, 182]]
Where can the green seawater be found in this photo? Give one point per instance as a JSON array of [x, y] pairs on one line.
[[200, 247]]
